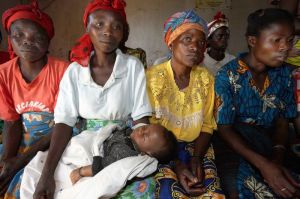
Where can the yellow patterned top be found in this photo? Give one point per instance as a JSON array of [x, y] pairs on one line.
[[295, 61], [185, 112]]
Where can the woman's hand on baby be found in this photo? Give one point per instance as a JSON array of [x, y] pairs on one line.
[[189, 182], [75, 175], [279, 179]]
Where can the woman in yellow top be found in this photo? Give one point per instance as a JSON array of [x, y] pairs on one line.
[[182, 96]]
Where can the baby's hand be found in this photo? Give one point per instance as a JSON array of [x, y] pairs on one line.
[[75, 175]]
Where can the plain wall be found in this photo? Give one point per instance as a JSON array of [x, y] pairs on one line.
[[146, 19], [4, 4]]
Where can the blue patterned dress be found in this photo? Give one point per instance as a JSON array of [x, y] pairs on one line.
[[36, 125], [252, 113]]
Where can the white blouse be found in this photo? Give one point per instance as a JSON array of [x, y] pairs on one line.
[[213, 65], [124, 94]]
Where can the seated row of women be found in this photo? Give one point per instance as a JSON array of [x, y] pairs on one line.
[[250, 101]]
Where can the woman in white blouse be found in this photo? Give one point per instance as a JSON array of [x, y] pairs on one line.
[[102, 83]]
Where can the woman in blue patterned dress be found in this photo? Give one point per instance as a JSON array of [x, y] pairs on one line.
[[254, 102]]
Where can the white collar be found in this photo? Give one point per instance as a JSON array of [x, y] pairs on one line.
[[119, 70]]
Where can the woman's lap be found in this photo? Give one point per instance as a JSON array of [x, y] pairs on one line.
[[237, 175], [142, 189], [227, 163], [165, 183], [168, 186], [36, 125]]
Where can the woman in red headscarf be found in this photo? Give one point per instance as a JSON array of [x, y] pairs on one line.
[[102, 85], [28, 90]]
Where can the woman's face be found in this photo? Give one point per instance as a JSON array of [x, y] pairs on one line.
[[219, 39], [188, 48], [105, 29], [29, 40], [272, 45]]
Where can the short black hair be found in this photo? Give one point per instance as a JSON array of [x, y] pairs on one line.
[[169, 152], [261, 19]]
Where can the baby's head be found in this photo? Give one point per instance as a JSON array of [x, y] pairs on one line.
[[156, 141]]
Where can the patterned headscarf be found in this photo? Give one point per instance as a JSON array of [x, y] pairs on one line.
[[31, 12], [219, 21], [83, 48], [181, 22]]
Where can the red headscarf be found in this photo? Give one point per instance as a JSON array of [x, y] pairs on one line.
[[83, 48], [219, 21], [31, 12]]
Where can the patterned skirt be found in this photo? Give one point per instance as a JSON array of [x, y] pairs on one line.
[[241, 177], [168, 186], [36, 125]]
